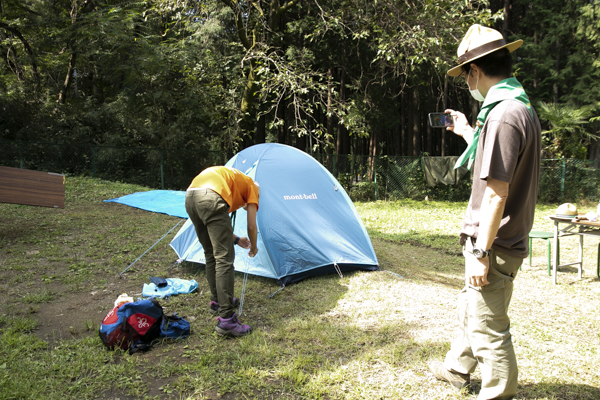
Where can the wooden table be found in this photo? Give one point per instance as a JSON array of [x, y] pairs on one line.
[[574, 226]]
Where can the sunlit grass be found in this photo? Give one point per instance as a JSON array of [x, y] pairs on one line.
[[368, 335]]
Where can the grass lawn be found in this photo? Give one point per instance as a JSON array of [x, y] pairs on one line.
[[368, 335]]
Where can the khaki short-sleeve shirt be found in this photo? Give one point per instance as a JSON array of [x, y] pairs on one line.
[[508, 150]]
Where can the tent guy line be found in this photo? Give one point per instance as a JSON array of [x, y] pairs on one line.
[[158, 241]]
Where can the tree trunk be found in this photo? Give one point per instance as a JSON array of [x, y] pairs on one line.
[[507, 19], [343, 140], [403, 117], [535, 73], [557, 69], [282, 128], [410, 112], [62, 96], [301, 142], [372, 154], [329, 116], [247, 107], [260, 132], [75, 10], [416, 134]]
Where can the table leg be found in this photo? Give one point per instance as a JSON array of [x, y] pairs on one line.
[[555, 249]]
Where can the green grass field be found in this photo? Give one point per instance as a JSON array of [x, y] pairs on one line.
[[368, 335]]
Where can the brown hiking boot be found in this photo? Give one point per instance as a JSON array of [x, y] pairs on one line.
[[459, 381]]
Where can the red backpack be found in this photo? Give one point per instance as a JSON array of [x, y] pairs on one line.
[[132, 325]]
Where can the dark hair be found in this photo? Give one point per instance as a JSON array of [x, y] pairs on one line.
[[496, 64]]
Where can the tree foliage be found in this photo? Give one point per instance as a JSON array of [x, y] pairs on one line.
[[566, 136], [344, 76]]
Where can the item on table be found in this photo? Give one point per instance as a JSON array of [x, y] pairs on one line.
[[566, 210], [591, 216]]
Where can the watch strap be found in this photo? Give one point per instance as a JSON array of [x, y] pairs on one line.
[[483, 253]]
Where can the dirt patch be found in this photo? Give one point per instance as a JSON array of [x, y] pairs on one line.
[[66, 278]]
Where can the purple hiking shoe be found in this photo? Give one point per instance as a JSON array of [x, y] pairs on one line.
[[231, 327], [214, 306]]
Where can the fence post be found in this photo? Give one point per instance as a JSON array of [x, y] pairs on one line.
[[562, 180], [162, 176], [375, 175], [93, 161]]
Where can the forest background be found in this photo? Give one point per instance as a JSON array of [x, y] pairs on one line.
[[327, 76]]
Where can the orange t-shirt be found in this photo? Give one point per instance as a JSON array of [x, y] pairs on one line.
[[231, 184]]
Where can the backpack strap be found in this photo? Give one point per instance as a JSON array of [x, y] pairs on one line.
[[140, 346]]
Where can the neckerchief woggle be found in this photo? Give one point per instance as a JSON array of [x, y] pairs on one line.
[[507, 89]]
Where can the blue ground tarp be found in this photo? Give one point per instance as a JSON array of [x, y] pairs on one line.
[[170, 202]]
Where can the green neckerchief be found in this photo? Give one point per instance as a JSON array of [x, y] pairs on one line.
[[506, 89]]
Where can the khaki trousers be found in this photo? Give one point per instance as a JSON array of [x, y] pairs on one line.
[[209, 214], [483, 335]]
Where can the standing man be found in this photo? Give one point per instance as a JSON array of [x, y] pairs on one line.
[[505, 147], [212, 195]]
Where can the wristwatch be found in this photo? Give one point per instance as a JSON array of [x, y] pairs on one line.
[[478, 253], [237, 239]]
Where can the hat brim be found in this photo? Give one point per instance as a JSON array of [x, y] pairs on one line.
[[456, 71]]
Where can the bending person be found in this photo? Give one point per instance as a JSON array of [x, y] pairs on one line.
[[212, 195]]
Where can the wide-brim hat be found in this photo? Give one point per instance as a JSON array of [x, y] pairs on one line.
[[566, 210], [478, 42]]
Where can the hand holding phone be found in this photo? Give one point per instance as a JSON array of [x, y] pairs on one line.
[[440, 120]]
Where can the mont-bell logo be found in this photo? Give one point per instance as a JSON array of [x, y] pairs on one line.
[[304, 196]]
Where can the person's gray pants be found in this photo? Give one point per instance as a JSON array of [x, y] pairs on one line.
[[209, 214], [483, 336]]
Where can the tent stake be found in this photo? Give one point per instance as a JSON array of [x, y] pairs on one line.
[[338, 270], [277, 291], [178, 263], [151, 247]]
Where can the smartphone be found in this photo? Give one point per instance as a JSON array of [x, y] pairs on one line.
[[440, 120]]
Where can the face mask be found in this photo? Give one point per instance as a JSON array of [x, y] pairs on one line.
[[476, 93]]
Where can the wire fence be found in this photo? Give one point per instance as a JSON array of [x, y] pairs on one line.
[[151, 167], [365, 178]]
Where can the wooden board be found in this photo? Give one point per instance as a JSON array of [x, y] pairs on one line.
[[32, 188]]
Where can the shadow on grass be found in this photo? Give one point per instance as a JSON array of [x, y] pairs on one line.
[[307, 337], [265, 304], [559, 391], [555, 391], [421, 262]]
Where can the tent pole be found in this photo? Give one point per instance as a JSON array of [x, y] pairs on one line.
[[130, 265]]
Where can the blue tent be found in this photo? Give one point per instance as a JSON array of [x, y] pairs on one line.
[[307, 224]]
